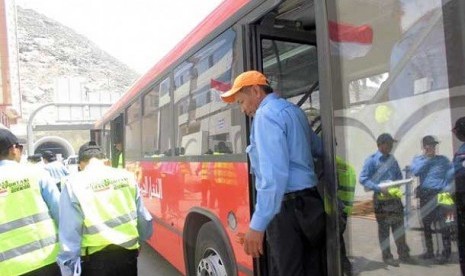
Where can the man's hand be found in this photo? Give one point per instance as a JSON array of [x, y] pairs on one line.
[[253, 243]]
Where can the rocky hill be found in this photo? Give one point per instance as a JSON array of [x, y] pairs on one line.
[[49, 51]]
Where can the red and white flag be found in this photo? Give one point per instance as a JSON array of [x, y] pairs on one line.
[[350, 41], [219, 86]]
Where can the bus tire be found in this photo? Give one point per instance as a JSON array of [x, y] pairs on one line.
[[211, 254]]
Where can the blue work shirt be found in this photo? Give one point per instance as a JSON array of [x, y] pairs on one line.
[[431, 171], [47, 185], [457, 169], [71, 225], [280, 156], [379, 168], [56, 170]]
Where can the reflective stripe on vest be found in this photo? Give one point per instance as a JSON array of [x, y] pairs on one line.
[[108, 204], [394, 192], [346, 184], [28, 235]]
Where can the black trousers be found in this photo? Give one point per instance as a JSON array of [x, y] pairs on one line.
[[48, 270], [431, 213], [296, 236], [112, 261], [390, 217], [460, 205]]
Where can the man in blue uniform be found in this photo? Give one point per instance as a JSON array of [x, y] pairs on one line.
[[288, 205], [431, 169], [102, 218], [389, 212], [55, 168]]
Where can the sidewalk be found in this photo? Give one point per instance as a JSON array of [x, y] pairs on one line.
[[365, 253]]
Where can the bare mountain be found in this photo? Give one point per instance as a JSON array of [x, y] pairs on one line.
[[49, 51]]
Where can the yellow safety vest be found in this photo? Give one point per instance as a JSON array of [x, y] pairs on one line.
[[445, 199], [394, 192], [107, 200], [28, 235], [346, 184], [224, 173], [120, 160]]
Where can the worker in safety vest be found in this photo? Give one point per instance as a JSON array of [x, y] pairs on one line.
[[28, 214], [346, 179], [117, 161], [381, 167], [431, 169], [102, 218]]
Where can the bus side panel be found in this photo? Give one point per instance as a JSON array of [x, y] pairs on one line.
[[171, 189]]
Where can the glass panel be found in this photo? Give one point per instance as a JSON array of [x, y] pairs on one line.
[[206, 124], [151, 123], [390, 78], [291, 68], [133, 133]]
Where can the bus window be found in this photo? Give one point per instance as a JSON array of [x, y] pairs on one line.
[[133, 132], [364, 90], [151, 123], [292, 68], [205, 124]]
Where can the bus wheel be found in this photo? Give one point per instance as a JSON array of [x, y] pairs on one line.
[[211, 255]]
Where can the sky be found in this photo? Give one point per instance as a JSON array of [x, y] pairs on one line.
[[137, 32]]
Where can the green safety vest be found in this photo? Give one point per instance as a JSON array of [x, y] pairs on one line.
[[394, 192], [445, 199], [347, 180], [28, 235], [120, 160], [107, 200]]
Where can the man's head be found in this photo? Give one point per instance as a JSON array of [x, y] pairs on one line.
[[35, 158], [385, 143], [248, 90], [10, 149], [119, 146], [49, 156], [88, 151], [429, 145], [459, 129]]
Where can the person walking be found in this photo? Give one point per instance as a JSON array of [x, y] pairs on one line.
[[55, 168], [431, 170], [288, 205], [380, 167], [28, 214], [102, 218]]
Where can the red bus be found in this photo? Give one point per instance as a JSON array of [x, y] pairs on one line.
[[358, 69]]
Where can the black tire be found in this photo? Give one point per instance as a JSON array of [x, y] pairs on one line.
[[211, 253]]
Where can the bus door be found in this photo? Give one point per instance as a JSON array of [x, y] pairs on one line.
[[287, 55], [117, 136]]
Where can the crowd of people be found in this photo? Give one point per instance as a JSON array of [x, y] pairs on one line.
[[92, 227]]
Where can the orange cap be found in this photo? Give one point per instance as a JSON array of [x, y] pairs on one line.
[[248, 78]]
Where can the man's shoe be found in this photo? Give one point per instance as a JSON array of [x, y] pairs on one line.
[[407, 259], [444, 257], [427, 256], [391, 262]]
